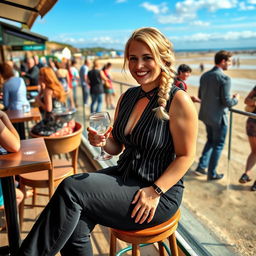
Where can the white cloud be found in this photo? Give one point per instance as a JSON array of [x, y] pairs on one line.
[[156, 9], [187, 10], [217, 36], [212, 5], [176, 19], [244, 7], [200, 23], [239, 18], [41, 21], [251, 1]]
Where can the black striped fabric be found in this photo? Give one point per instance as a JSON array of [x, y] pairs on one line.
[[149, 148]]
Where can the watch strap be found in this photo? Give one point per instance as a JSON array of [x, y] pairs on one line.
[[158, 190]]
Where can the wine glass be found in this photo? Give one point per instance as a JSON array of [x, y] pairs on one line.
[[100, 122]]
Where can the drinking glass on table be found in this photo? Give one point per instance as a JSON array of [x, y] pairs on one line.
[[25, 108], [100, 122]]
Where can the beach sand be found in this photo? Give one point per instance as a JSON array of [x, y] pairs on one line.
[[226, 207]]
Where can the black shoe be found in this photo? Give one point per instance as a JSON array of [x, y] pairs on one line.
[[253, 188], [200, 171], [216, 177], [244, 178]]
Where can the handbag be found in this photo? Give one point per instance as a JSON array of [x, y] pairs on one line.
[[107, 84]]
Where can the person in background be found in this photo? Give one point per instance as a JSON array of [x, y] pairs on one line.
[[64, 78], [52, 95], [201, 67], [83, 74], [10, 141], [96, 78], [146, 184], [14, 68], [31, 76], [14, 94], [250, 102], [75, 80], [51, 100], [184, 72], [214, 92], [52, 64], [108, 87]]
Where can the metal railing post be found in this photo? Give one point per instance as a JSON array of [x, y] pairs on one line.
[[229, 147]]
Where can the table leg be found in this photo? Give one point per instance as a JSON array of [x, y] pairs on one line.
[[10, 207]]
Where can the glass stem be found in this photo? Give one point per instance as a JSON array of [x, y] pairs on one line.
[[102, 152]]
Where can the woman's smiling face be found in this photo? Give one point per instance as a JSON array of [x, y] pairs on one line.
[[143, 66]]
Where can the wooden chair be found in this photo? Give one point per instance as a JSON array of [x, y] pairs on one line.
[[61, 168], [154, 234]]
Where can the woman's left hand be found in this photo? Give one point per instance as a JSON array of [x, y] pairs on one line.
[[146, 201]]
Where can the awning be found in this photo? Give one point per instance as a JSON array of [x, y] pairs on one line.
[[25, 11], [20, 38]]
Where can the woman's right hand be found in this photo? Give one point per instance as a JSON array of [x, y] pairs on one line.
[[96, 139]]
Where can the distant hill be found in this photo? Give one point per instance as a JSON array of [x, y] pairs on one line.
[[94, 50]]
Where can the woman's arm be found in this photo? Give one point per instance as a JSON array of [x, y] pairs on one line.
[[249, 100], [183, 127], [103, 76], [5, 96], [9, 137], [46, 104]]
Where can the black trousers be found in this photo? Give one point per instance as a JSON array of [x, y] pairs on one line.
[[84, 200]]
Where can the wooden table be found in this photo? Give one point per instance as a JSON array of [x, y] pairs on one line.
[[33, 156], [18, 116]]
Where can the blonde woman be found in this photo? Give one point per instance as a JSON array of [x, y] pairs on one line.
[[155, 131]]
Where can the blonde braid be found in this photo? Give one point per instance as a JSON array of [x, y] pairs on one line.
[[166, 81]]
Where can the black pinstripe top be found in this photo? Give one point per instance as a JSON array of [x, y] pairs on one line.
[[149, 148]]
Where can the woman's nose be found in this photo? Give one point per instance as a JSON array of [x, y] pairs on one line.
[[139, 64]]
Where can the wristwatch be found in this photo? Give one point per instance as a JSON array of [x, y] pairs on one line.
[[158, 190]]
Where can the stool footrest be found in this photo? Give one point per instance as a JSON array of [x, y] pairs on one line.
[[129, 248]]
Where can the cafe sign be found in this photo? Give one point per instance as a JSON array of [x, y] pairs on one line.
[[34, 47]]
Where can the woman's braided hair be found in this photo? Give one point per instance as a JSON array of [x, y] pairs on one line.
[[162, 51]]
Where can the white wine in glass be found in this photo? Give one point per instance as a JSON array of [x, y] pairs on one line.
[[100, 122]]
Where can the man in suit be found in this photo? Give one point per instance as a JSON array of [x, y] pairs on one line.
[[214, 92]]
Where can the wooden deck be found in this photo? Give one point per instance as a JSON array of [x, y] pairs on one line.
[[100, 235]]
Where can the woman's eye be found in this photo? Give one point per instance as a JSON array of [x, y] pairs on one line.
[[132, 58], [148, 58]]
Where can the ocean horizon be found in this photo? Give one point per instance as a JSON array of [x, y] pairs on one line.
[[217, 49]]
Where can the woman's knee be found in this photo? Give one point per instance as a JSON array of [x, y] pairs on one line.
[[74, 181]]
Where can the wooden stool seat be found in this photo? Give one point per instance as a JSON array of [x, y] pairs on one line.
[[150, 235]]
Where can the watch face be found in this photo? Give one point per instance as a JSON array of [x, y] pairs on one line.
[[158, 190]]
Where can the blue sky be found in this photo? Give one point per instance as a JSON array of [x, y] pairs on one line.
[[189, 24]]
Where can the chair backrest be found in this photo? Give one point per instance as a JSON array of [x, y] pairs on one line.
[[63, 144]]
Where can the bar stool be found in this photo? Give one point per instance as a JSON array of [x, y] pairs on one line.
[[154, 234]]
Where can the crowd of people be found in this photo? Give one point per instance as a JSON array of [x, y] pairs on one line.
[[70, 75]]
